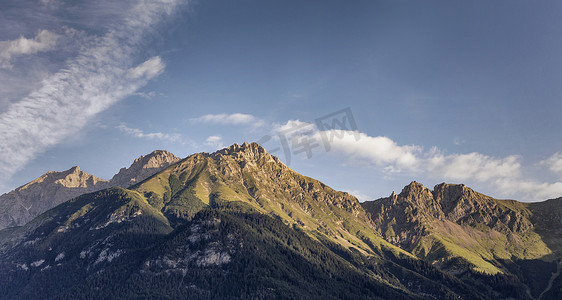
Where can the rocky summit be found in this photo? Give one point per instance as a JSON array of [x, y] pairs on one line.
[[457, 229], [239, 224], [53, 188], [143, 167]]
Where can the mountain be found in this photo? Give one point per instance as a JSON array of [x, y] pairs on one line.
[[53, 188], [247, 174], [143, 167], [113, 244], [238, 223], [458, 229], [234, 223]]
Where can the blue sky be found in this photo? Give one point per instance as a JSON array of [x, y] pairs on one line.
[[440, 91]]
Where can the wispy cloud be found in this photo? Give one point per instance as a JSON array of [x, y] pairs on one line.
[[148, 69], [458, 141], [228, 119], [43, 41], [146, 95], [214, 141], [138, 133], [102, 73]]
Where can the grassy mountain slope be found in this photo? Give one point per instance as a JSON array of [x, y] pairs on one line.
[[248, 174], [239, 224], [113, 244]]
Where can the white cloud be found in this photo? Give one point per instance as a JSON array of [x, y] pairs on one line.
[[380, 150], [138, 133], [215, 141], [228, 119], [294, 127], [532, 190], [360, 196], [503, 174], [43, 41], [554, 163], [89, 83], [472, 166], [148, 69], [384, 152]]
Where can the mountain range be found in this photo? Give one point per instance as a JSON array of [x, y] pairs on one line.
[[53, 188], [238, 223]]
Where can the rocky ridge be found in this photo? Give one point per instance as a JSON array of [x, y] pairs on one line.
[[457, 228], [251, 206], [143, 167], [53, 188], [248, 175]]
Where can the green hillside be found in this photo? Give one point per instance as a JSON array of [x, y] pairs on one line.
[[239, 224]]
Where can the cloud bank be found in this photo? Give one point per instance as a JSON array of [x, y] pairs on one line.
[[102, 73], [504, 174]]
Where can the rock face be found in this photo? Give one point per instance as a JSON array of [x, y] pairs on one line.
[[26, 202], [462, 205], [143, 167], [457, 228], [53, 188]]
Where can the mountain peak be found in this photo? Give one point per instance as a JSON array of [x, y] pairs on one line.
[[245, 147], [52, 188], [449, 195], [155, 158], [246, 151], [451, 187], [414, 189], [143, 167], [415, 184], [73, 177]]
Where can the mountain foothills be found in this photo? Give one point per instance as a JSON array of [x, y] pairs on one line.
[[238, 223], [53, 188]]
